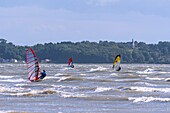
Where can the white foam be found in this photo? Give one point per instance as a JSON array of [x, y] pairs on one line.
[[167, 79], [71, 95], [148, 99], [14, 80], [6, 76], [58, 74], [102, 89], [8, 111], [150, 89], [82, 74], [50, 77], [142, 75], [67, 68], [97, 69], [164, 72], [33, 92], [154, 78], [20, 84], [63, 78], [147, 71], [11, 89], [64, 87], [114, 74], [145, 83]]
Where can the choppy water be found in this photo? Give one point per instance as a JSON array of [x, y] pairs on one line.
[[88, 88]]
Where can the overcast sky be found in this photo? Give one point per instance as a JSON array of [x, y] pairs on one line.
[[28, 22]]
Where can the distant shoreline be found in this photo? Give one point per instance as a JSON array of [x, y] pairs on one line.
[[91, 52]]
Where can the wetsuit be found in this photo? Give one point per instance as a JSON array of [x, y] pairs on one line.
[[43, 75]]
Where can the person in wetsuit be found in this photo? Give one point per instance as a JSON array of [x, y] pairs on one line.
[[43, 75]]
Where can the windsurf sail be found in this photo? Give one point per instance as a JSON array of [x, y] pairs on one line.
[[116, 63], [32, 65], [70, 62]]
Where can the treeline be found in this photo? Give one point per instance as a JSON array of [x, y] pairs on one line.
[[91, 52]]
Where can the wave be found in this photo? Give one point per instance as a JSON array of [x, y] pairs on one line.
[[12, 90], [145, 83], [114, 74], [63, 79], [67, 68], [69, 79], [167, 79], [154, 78], [147, 71], [14, 80], [152, 71], [50, 77], [148, 99], [1, 76], [127, 80], [72, 95], [20, 84], [92, 96], [82, 74], [150, 89], [35, 93], [11, 111], [102, 89], [98, 69], [58, 74]]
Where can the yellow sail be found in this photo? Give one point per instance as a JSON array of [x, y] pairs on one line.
[[116, 63]]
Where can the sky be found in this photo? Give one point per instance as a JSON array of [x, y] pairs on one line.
[[29, 22]]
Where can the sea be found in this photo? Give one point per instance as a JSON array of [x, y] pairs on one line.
[[87, 88]]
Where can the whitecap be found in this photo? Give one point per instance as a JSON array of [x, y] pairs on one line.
[[72, 95], [6, 76], [154, 78], [67, 68], [58, 74], [102, 89], [14, 80], [150, 89], [20, 84], [147, 71], [97, 69], [51, 77], [145, 83], [82, 74], [63, 78], [114, 74], [167, 79], [148, 99], [62, 87], [12, 89]]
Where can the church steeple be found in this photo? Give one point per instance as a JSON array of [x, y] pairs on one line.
[[133, 44]]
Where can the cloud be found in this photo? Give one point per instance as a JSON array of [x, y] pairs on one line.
[[29, 25], [102, 2]]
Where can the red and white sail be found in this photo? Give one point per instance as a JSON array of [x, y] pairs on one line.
[[70, 62], [32, 65]]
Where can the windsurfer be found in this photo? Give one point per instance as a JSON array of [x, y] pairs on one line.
[[72, 66], [70, 63], [116, 64], [43, 75]]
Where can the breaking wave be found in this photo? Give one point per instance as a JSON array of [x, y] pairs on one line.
[[148, 99]]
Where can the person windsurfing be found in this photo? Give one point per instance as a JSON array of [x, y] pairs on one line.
[[70, 63], [43, 75], [33, 66], [116, 64]]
